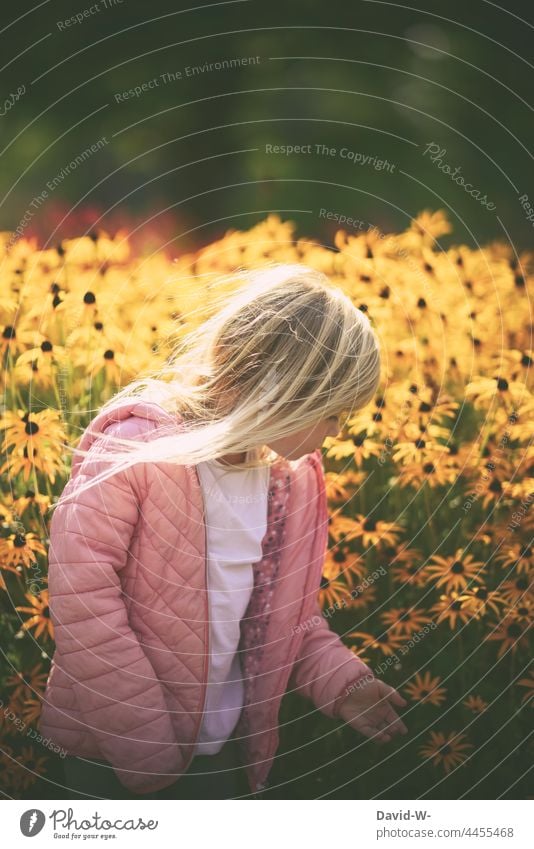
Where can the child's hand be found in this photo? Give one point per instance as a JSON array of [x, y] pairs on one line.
[[369, 710]]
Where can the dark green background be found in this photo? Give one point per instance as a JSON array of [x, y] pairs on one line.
[[198, 145]]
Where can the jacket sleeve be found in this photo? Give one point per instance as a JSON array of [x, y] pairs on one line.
[[325, 669], [120, 699]]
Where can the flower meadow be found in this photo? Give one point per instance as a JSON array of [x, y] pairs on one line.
[[428, 574]]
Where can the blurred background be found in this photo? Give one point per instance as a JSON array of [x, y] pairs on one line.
[[158, 117]]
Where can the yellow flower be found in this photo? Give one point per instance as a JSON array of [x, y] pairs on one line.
[[448, 750], [40, 614], [405, 620], [18, 549], [372, 532], [36, 440], [479, 600], [451, 608], [475, 703], [332, 590], [455, 572], [510, 633], [387, 642], [484, 389], [424, 688]]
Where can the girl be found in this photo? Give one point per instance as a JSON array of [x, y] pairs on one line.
[[187, 548]]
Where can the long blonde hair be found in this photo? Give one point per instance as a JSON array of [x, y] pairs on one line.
[[279, 352]]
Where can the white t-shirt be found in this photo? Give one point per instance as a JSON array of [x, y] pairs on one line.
[[236, 522]]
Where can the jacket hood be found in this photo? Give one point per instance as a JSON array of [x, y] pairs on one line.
[[149, 411], [132, 409]]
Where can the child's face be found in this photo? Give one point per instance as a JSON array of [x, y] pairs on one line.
[[306, 441]]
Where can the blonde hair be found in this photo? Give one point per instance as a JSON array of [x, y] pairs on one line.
[[281, 351]]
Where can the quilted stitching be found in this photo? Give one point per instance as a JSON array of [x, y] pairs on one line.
[[152, 543]]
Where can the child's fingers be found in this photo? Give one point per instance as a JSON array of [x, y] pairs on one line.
[[377, 735], [392, 694], [395, 723]]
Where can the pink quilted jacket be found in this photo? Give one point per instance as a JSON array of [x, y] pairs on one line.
[[128, 599]]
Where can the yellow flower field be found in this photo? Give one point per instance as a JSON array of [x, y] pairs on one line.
[[430, 486]]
